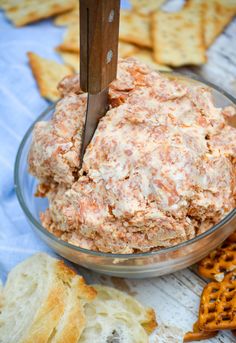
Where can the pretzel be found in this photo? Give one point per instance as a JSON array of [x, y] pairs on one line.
[[218, 305], [220, 260], [198, 335]]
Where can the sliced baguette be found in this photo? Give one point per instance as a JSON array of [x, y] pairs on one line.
[[116, 316], [37, 301], [34, 298], [44, 301], [73, 320]]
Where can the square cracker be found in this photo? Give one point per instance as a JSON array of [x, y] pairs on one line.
[[135, 29], [71, 39], [126, 49], [178, 37], [217, 15], [5, 4], [71, 59], [27, 11], [48, 74], [68, 18], [146, 56], [145, 7]]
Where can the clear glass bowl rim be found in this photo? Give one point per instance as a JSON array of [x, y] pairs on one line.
[[37, 224]]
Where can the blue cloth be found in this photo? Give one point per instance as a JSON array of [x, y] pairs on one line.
[[20, 105]]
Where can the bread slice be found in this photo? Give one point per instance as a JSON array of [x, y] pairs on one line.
[[34, 298], [73, 320], [116, 316], [37, 302]]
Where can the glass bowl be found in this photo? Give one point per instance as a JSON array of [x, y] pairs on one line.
[[140, 265]]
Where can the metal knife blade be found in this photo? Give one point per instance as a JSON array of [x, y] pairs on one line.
[[97, 105]]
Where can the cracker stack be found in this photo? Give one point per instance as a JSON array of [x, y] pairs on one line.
[[160, 39], [45, 301], [176, 38], [28, 11]]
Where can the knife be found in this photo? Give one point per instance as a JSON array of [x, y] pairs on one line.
[[99, 30]]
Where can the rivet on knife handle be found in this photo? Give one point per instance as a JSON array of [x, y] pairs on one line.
[[99, 29]]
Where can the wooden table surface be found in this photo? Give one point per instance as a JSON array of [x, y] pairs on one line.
[[175, 297]]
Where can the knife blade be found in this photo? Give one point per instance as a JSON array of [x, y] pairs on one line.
[[97, 105], [99, 30]]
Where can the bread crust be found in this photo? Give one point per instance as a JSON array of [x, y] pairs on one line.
[[73, 321], [57, 312], [49, 313]]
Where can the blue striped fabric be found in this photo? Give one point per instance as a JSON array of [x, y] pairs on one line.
[[20, 104]]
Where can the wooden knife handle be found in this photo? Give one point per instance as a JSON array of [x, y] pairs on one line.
[[99, 30]]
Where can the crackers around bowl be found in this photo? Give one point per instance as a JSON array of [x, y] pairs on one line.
[[163, 40], [24, 12]]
